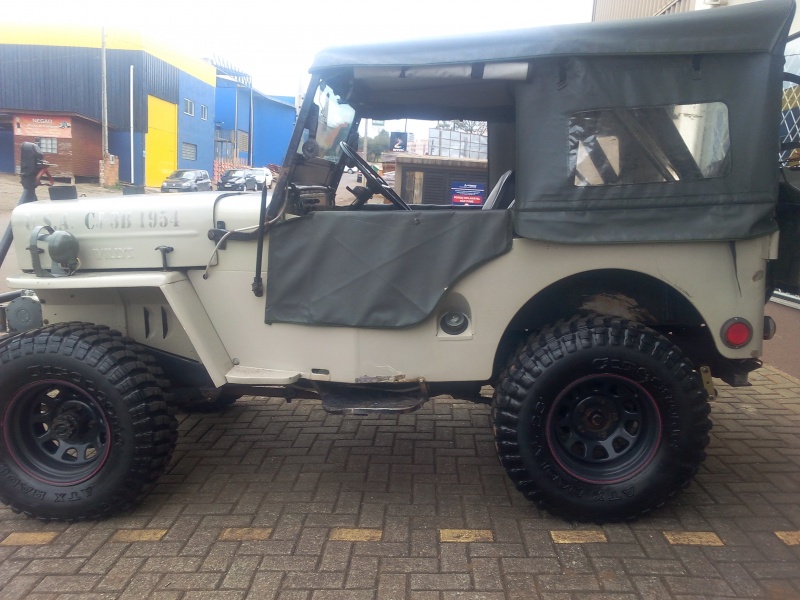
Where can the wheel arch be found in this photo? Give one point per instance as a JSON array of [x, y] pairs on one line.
[[160, 310], [620, 293]]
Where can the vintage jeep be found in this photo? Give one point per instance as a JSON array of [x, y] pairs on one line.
[[623, 258]]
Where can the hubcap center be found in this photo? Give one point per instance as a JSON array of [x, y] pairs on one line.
[[596, 416], [71, 426]]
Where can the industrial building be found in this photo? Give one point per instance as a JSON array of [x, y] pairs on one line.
[[609, 10], [165, 110]]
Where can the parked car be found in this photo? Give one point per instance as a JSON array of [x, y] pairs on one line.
[[262, 176], [186, 180], [237, 179]]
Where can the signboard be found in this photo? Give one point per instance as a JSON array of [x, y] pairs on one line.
[[377, 123], [399, 141], [52, 126], [463, 192]]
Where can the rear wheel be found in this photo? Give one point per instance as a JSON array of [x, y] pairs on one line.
[[84, 425], [600, 419]]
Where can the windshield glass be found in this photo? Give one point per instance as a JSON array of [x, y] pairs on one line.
[[233, 174], [335, 120], [181, 175]]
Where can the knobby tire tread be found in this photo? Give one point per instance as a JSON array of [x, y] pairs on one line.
[[564, 339], [139, 381]]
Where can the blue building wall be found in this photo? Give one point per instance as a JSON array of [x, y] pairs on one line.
[[273, 125], [223, 116], [119, 144], [227, 118], [193, 129], [273, 121]]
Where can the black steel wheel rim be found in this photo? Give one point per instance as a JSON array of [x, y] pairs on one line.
[[56, 432], [603, 429]]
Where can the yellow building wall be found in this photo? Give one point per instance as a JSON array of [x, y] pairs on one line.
[[160, 141]]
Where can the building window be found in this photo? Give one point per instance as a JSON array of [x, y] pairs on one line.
[[48, 145], [204, 112], [188, 107], [223, 149], [188, 151]]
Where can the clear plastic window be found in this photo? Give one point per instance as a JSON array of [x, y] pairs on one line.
[[622, 146]]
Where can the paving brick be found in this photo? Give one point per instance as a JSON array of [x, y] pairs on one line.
[[611, 574], [343, 595], [116, 579], [66, 583], [574, 582], [138, 535], [19, 587], [193, 581], [314, 581], [54, 566], [392, 587], [362, 573], [701, 586], [29, 539], [303, 474], [486, 574], [448, 581], [172, 564]]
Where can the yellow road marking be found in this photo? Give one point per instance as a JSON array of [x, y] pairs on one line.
[[29, 539], [465, 536], [245, 534], [569, 536], [790, 538], [139, 535], [693, 538], [344, 534]]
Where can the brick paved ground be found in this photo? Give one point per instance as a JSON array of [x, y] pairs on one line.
[[275, 500]]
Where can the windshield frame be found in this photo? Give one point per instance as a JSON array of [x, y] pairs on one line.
[[322, 173]]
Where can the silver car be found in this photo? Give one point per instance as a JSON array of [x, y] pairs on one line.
[[262, 176], [187, 180]]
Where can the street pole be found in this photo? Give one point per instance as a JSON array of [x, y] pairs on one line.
[[104, 92], [252, 123], [366, 139], [133, 179]]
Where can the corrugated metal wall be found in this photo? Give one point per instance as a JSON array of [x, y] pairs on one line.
[[65, 79], [609, 10]]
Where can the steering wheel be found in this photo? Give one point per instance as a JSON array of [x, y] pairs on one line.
[[375, 183]]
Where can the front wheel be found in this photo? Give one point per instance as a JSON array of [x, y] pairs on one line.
[[84, 425], [600, 419]]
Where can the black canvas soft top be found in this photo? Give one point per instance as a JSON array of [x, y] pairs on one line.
[[750, 28], [566, 87]]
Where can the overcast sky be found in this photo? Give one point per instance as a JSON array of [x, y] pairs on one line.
[[276, 40]]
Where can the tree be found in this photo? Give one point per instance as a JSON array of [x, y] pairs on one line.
[[376, 146], [478, 127]]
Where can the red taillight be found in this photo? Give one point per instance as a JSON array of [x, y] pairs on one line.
[[737, 332]]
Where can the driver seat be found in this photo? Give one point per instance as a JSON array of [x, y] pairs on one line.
[[502, 195]]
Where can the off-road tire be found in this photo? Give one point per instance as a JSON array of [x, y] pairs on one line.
[[600, 419], [84, 425]]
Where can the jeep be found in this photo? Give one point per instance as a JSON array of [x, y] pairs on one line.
[[641, 212]]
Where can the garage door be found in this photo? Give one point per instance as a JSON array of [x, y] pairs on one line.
[[161, 141]]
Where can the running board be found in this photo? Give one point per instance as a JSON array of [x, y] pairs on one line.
[[256, 376], [338, 398]]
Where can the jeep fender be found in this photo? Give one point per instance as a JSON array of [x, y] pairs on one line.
[[114, 300]]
